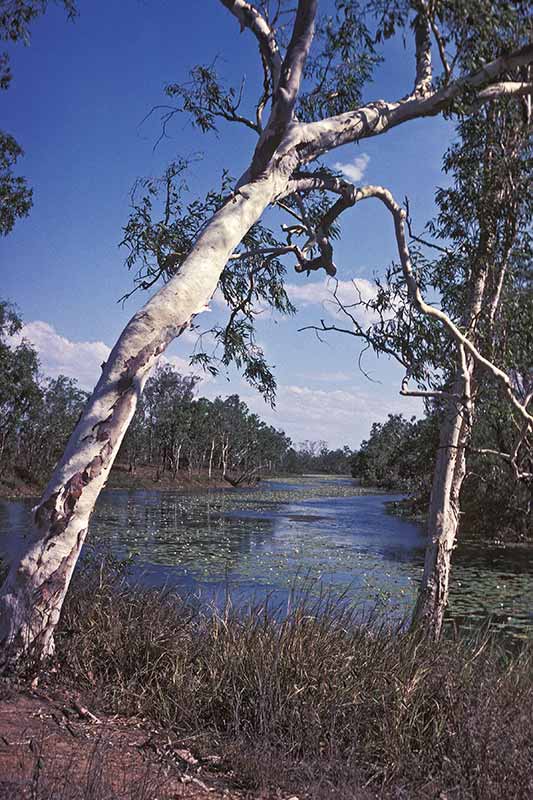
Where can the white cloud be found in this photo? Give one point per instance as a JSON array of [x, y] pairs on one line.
[[331, 377], [322, 293], [325, 293], [76, 359], [61, 356], [339, 416], [355, 169]]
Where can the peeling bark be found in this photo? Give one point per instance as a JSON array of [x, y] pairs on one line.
[[33, 593], [443, 517], [455, 433]]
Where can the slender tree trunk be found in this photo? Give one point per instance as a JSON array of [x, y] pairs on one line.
[[450, 466], [225, 447], [211, 453], [33, 592], [443, 517]]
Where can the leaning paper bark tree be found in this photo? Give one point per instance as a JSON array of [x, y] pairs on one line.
[[312, 109]]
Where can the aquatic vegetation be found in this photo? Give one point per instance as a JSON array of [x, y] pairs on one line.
[[306, 536]]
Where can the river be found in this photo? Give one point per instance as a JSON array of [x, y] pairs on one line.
[[304, 536]]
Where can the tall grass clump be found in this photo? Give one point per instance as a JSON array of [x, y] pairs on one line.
[[315, 702]]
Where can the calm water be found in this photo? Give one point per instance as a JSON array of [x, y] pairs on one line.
[[299, 535]]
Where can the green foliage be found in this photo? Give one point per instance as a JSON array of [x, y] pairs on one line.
[[18, 383], [472, 31], [315, 456], [483, 228], [15, 195], [486, 216], [205, 98], [172, 430], [398, 455], [16, 17], [36, 415], [495, 504], [341, 62], [159, 235], [50, 420]]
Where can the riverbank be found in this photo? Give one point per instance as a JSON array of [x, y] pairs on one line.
[[19, 484], [317, 706], [413, 509], [409, 508]]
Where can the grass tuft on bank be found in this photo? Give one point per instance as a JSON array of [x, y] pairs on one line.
[[317, 703]]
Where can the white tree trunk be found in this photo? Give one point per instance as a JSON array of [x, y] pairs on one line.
[[33, 592], [225, 448], [178, 459], [211, 453], [449, 474], [443, 518]]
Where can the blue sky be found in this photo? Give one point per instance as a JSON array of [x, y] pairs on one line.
[[79, 94]]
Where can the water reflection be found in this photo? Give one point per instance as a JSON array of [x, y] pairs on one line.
[[290, 535]]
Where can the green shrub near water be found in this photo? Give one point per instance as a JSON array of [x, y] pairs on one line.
[[317, 702]]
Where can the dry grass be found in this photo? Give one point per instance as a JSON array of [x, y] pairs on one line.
[[316, 703]]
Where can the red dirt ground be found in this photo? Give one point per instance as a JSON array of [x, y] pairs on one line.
[[53, 748]]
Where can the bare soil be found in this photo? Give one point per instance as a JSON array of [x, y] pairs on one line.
[[53, 746]]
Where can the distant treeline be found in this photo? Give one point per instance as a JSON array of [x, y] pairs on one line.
[[172, 431], [37, 414], [399, 455]]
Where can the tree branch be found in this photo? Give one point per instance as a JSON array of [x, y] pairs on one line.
[[508, 457], [399, 215], [284, 98], [503, 88], [264, 251], [249, 17], [263, 100], [294, 62], [357, 329], [441, 48], [380, 115], [437, 395], [424, 71], [352, 195]]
